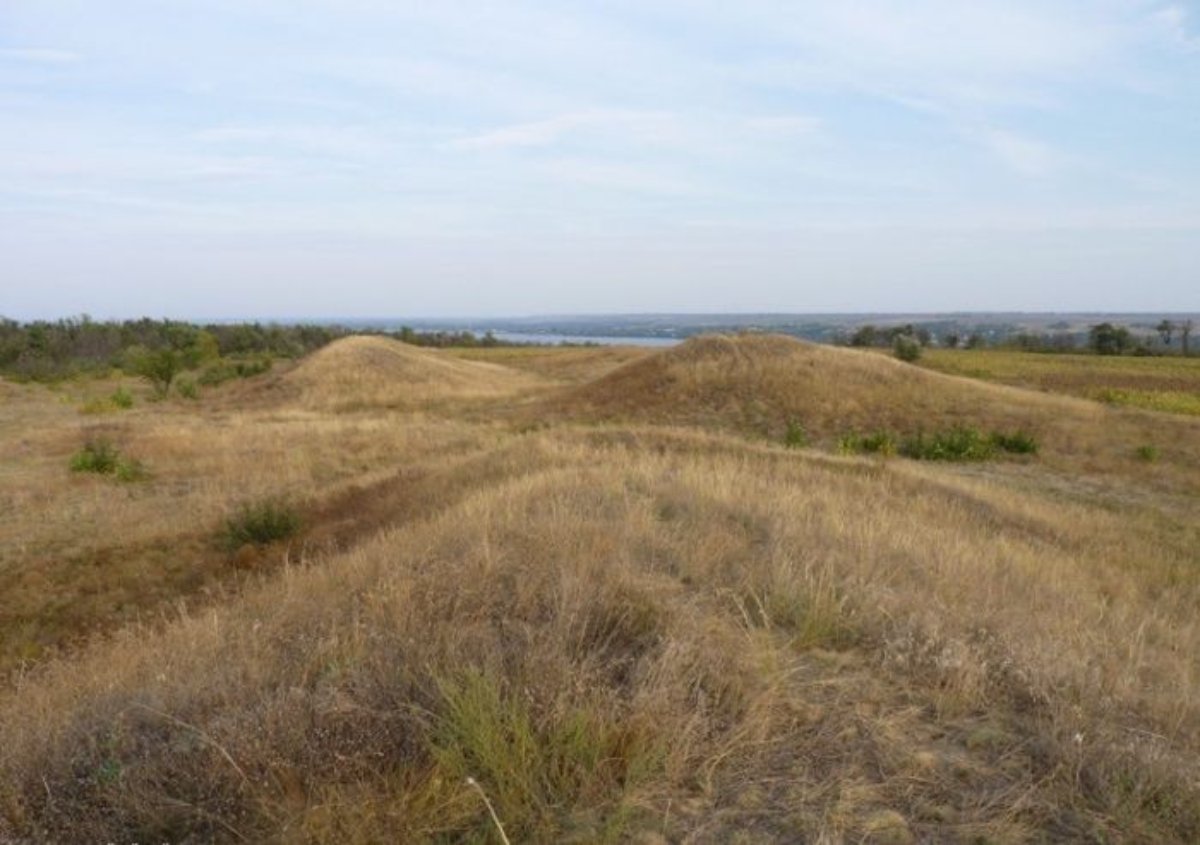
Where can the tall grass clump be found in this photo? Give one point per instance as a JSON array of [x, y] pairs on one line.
[[541, 772], [878, 443], [100, 457], [97, 456], [795, 437], [121, 398], [260, 523]]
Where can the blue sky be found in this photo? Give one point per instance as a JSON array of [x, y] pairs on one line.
[[361, 157]]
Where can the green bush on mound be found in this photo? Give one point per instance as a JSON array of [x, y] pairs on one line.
[[102, 458], [260, 523], [96, 456], [906, 348], [955, 444]]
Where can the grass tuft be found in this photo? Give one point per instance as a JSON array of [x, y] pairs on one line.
[[261, 523]]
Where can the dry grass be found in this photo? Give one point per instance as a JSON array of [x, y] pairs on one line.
[[570, 365], [358, 373], [627, 631]]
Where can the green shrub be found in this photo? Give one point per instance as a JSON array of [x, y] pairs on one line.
[[1146, 453], [130, 470], [121, 398], [187, 389], [956, 444], [795, 437], [97, 456], [878, 443], [259, 523], [906, 347], [223, 371], [102, 458], [1016, 443]]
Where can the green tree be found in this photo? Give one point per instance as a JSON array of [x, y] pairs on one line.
[[1107, 339], [159, 367], [906, 347]]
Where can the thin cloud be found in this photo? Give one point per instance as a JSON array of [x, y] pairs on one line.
[[643, 126], [40, 56], [1020, 154]]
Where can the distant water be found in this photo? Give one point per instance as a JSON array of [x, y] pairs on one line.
[[555, 339]]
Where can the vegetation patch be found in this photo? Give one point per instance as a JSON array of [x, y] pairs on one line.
[[959, 443], [1147, 453], [1168, 401], [224, 370], [260, 523], [571, 771], [100, 457], [795, 437], [877, 443]]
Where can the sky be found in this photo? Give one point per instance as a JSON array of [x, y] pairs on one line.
[[315, 158]]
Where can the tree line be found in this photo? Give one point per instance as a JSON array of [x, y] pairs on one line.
[[44, 350]]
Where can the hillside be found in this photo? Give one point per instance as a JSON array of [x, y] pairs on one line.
[[758, 384], [641, 619]]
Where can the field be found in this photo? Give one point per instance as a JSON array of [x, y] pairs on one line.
[[1170, 384], [605, 594]]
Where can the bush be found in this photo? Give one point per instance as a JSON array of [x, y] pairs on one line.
[[130, 469], [187, 389], [102, 458], [158, 367], [96, 456], [121, 398], [1016, 443], [906, 348], [223, 371], [795, 437], [261, 523], [955, 444], [1146, 453], [879, 443]]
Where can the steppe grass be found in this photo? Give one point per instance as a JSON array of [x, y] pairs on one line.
[[616, 631]]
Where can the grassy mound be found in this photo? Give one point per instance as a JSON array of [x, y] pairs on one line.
[[364, 372], [759, 383]]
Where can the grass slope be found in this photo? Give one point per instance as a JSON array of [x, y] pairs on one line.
[[654, 629], [758, 384]]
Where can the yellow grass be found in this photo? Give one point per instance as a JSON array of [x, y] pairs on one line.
[[646, 622]]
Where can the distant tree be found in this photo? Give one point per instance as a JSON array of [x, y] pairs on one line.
[[1185, 335], [950, 340], [1107, 339], [1165, 330], [906, 347], [976, 341], [866, 335]]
